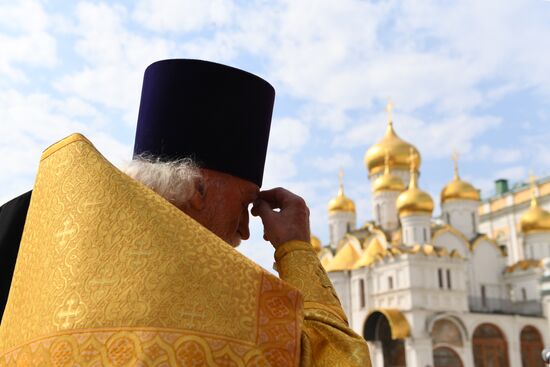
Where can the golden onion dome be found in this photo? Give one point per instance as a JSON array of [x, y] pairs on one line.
[[535, 219], [315, 243], [458, 189], [414, 200], [397, 148], [388, 182], [341, 203]]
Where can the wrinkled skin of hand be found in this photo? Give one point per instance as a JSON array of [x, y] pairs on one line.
[[285, 216]]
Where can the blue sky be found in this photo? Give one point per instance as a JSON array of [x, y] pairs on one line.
[[466, 75]]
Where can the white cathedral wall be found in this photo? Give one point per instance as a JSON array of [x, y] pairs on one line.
[[412, 281], [341, 282], [421, 322], [506, 220], [493, 228], [426, 290], [462, 215], [340, 223], [451, 242], [391, 279], [524, 285], [384, 209], [511, 326], [360, 310], [487, 266], [416, 228], [537, 245]]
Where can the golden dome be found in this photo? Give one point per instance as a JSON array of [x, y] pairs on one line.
[[315, 243], [344, 259], [458, 189], [414, 200], [398, 149], [535, 219], [388, 182], [341, 203]]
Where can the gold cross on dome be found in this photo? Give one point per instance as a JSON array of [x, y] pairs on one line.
[[389, 110], [341, 177], [455, 157]]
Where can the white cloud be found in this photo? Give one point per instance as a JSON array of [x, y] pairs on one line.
[[33, 122], [183, 16], [333, 163], [288, 135], [457, 132], [485, 152], [115, 59], [325, 116], [516, 173], [24, 16], [27, 42], [352, 53], [279, 167]]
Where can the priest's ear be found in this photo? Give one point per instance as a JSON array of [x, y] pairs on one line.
[[197, 200]]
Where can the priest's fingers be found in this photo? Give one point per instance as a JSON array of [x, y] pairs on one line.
[[290, 223], [279, 197]]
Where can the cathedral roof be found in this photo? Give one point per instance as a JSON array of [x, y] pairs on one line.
[[344, 259], [458, 189], [524, 265], [325, 261], [372, 253], [397, 148]]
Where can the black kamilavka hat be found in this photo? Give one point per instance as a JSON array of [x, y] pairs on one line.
[[215, 114]]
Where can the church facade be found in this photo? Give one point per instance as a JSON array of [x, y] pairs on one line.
[[468, 288]]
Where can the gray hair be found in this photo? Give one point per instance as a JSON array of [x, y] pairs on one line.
[[174, 180]]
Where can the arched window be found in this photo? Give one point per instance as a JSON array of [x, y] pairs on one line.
[[531, 347], [378, 214], [446, 357], [490, 347], [446, 332]]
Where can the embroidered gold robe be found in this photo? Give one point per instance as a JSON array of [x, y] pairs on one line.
[[109, 273]]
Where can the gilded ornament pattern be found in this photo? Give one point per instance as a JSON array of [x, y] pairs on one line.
[[106, 266]]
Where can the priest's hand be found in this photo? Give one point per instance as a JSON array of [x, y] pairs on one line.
[[285, 216]]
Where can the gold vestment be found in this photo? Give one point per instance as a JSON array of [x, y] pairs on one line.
[[110, 273]]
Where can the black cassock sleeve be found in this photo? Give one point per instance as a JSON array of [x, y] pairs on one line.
[[12, 222]]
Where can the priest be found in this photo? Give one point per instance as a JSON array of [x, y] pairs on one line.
[[139, 267]]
